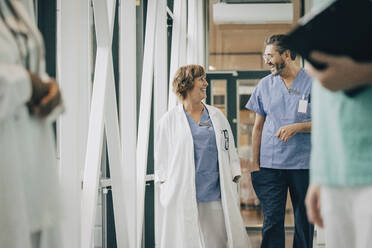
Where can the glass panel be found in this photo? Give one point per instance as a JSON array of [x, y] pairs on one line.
[[245, 126], [218, 94]]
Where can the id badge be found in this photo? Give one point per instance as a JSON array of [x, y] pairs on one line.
[[302, 105]]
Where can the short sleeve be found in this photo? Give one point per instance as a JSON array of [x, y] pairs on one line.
[[255, 102]]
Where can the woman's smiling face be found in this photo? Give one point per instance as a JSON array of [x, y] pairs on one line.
[[199, 91]]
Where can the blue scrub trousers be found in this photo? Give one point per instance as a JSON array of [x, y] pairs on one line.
[[271, 186]]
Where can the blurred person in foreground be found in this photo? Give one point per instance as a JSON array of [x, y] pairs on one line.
[[281, 144], [340, 191], [198, 168], [29, 99]]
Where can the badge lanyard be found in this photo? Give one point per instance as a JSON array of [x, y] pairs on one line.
[[302, 105]]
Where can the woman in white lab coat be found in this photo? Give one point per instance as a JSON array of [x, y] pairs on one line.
[[197, 166], [29, 196]]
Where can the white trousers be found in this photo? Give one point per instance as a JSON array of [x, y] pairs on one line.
[[212, 224], [347, 216]]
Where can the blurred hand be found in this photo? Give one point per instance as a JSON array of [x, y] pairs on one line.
[[342, 73], [313, 205], [45, 96], [49, 101], [286, 132]]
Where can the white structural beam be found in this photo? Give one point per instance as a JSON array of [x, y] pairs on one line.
[[94, 149], [73, 74], [128, 111], [195, 33], [144, 115], [115, 158], [160, 94], [201, 32], [103, 108], [178, 52]]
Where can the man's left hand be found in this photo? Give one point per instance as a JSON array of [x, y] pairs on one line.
[[286, 132]]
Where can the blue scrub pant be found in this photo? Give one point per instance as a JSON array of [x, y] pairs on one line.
[[271, 186]]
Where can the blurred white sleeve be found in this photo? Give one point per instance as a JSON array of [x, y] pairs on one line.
[[15, 89], [161, 149]]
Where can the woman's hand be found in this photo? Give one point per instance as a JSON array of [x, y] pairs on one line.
[[312, 202], [45, 96], [236, 179], [50, 100], [342, 73]]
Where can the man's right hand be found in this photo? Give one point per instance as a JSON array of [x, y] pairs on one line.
[[254, 166]]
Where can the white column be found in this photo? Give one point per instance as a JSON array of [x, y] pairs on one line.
[[73, 76], [115, 158], [178, 50], [160, 94], [195, 33], [144, 115], [128, 111], [104, 16], [201, 32]]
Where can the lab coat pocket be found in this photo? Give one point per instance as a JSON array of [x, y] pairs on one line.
[[164, 194]]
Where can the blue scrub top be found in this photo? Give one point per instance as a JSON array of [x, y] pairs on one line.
[[279, 106], [207, 177]]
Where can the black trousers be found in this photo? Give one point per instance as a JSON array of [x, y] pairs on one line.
[[271, 186]]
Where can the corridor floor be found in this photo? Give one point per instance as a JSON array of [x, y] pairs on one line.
[[252, 217]]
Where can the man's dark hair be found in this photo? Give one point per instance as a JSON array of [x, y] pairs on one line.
[[279, 41]]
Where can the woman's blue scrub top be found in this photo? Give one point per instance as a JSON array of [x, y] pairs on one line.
[[207, 177]]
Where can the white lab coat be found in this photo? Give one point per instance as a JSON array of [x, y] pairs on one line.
[[174, 164], [29, 196]]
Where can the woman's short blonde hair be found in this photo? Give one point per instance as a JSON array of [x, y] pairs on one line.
[[184, 79]]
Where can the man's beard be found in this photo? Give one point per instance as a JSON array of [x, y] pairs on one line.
[[278, 68]]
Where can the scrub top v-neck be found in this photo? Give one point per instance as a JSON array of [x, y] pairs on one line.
[[207, 180]]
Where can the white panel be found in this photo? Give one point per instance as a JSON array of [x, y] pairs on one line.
[[160, 64], [201, 33], [178, 52], [144, 115], [73, 76], [94, 148], [260, 13], [128, 111], [195, 33], [183, 35], [114, 154], [160, 94], [96, 122], [192, 32]]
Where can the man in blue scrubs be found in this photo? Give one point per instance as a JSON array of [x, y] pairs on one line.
[[281, 144]]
